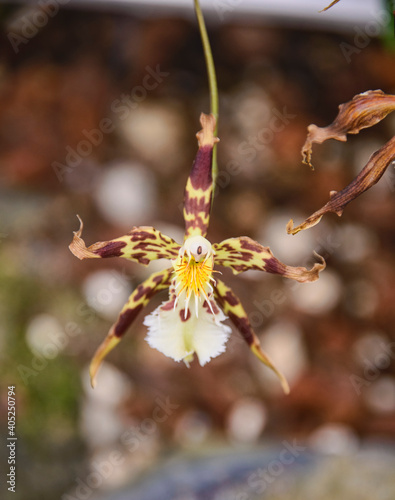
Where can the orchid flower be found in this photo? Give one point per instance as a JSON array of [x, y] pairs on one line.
[[192, 320]]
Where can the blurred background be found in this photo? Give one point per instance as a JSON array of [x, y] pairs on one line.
[[100, 103]]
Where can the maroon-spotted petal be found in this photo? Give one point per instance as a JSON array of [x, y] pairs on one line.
[[232, 307], [242, 254], [199, 187], [136, 302], [142, 244]]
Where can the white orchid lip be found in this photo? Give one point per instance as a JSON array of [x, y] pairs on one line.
[[193, 272], [180, 337]]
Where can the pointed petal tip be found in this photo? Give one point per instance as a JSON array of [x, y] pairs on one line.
[[256, 349], [93, 369], [77, 247], [285, 386], [309, 164], [81, 225], [105, 348], [264, 358], [78, 232], [284, 383], [318, 266], [310, 222], [290, 227], [206, 135], [93, 380], [306, 159]]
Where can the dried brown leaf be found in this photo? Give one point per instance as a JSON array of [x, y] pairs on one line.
[[364, 110], [370, 174]]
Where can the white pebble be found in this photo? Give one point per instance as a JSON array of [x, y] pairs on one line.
[[380, 396], [319, 297], [156, 134], [292, 250], [112, 386], [355, 242], [106, 291], [361, 298], [193, 427], [334, 439], [370, 348], [283, 341], [100, 423], [246, 420], [126, 195], [46, 335], [100, 426]]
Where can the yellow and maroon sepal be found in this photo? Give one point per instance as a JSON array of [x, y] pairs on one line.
[[142, 244], [199, 187], [232, 307], [242, 254], [136, 302]]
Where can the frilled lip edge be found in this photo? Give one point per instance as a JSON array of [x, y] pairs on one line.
[[179, 336]]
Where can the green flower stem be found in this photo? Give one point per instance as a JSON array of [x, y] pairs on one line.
[[388, 36], [212, 80]]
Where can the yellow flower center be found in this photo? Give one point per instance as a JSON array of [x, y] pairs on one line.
[[193, 269], [192, 276]]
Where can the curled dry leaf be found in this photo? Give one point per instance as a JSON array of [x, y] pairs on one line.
[[363, 111], [370, 174]]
